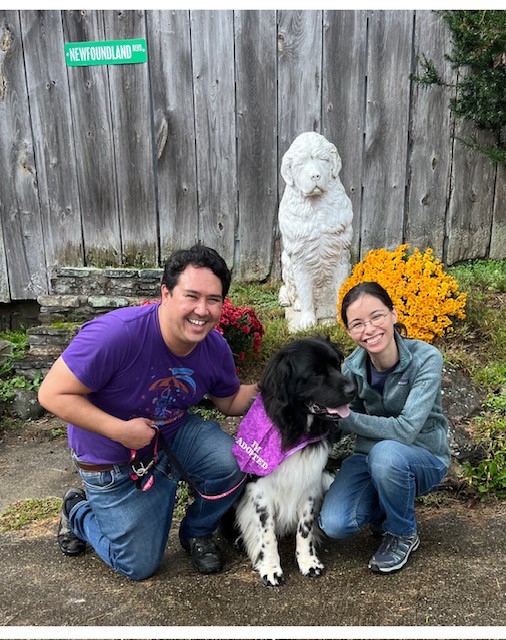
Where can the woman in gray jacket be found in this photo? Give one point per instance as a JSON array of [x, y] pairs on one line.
[[402, 446]]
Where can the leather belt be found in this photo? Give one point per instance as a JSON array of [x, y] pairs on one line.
[[88, 466]]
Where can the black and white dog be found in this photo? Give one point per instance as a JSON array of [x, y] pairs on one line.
[[282, 443]]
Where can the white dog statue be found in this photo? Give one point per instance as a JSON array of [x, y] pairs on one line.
[[315, 216]]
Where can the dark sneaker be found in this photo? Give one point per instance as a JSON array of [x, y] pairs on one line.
[[68, 542], [393, 553], [205, 554]]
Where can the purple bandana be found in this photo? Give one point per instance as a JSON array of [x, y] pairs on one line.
[[257, 445]]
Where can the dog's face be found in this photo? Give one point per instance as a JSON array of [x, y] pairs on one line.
[[310, 164], [304, 390]]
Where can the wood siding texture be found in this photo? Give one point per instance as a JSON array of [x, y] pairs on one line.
[[118, 165]]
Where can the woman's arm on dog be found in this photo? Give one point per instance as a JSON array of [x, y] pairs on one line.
[[237, 404]]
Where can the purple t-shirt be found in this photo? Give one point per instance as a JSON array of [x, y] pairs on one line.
[[122, 357]]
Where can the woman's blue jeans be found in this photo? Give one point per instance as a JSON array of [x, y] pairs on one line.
[[129, 528], [380, 488]]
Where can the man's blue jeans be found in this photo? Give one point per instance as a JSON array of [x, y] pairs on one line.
[[129, 528], [380, 488]]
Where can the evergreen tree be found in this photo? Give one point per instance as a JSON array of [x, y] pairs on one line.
[[479, 56]]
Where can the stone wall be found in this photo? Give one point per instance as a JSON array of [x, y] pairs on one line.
[[16, 315], [78, 295]]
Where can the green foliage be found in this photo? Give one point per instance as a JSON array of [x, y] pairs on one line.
[[478, 345], [489, 275], [18, 340], [17, 347], [479, 55], [488, 476], [207, 412], [183, 500], [8, 386]]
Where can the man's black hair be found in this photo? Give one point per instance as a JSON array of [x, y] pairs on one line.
[[198, 256]]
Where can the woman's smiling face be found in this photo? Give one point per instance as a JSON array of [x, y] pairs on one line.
[[374, 339]]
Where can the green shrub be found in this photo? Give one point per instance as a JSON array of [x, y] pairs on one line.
[[479, 56], [488, 476]]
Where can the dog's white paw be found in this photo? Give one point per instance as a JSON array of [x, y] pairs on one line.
[[272, 577], [310, 566]]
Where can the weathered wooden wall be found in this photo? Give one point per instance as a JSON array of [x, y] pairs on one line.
[[120, 164]]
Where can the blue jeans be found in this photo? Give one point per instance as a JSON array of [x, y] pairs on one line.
[[380, 488], [129, 528]]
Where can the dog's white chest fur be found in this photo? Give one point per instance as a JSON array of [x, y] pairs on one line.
[[287, 501]]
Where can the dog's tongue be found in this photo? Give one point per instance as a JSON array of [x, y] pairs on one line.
[[342, 412]]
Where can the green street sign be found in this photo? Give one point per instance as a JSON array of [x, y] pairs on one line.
[[84, 54]]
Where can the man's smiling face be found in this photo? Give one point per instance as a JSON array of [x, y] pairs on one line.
[[192, 310]]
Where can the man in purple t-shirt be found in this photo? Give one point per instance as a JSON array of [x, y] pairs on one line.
[[125, 376]]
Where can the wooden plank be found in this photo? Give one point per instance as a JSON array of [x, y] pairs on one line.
[[212, 36], [431, 150], [471, 206], [22, 249], [498, 238], [387, 121], [256, 138], [344, 82], [53, 137], [4, 280], [131, 118], [91, 114], [172, 86], [299, 76]]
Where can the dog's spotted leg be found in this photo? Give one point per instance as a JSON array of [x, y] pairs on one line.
[[267, 562], [308, 561], [257, 527]]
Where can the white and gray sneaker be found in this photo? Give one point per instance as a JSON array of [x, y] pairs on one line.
[[393, 553]]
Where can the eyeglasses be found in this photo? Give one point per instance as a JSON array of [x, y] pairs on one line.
[[377, 319]]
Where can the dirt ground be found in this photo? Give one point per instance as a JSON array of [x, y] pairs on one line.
[[457, 577]]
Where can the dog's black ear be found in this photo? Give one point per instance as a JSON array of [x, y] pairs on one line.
[[277, 387], [275, 381], [335, 346]]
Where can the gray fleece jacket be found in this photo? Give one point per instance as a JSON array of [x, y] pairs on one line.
[[409, 411]]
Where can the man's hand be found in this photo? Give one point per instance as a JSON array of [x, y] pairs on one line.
[[136, 434]]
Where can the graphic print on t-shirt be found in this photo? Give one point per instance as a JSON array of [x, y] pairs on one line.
[[173, 395]]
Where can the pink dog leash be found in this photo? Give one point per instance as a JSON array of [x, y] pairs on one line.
[[139, 470]]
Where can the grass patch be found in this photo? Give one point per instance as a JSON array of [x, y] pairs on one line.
[[478, 344], [23, 512], [489, 275]]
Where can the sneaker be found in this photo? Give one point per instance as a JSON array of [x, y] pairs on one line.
[[68, 542], [393, 553], [205, 554]]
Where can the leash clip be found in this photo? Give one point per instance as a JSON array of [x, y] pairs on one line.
[[139, 469]]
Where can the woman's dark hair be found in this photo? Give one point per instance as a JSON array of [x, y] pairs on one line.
[[371, 289], [198, 256]]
